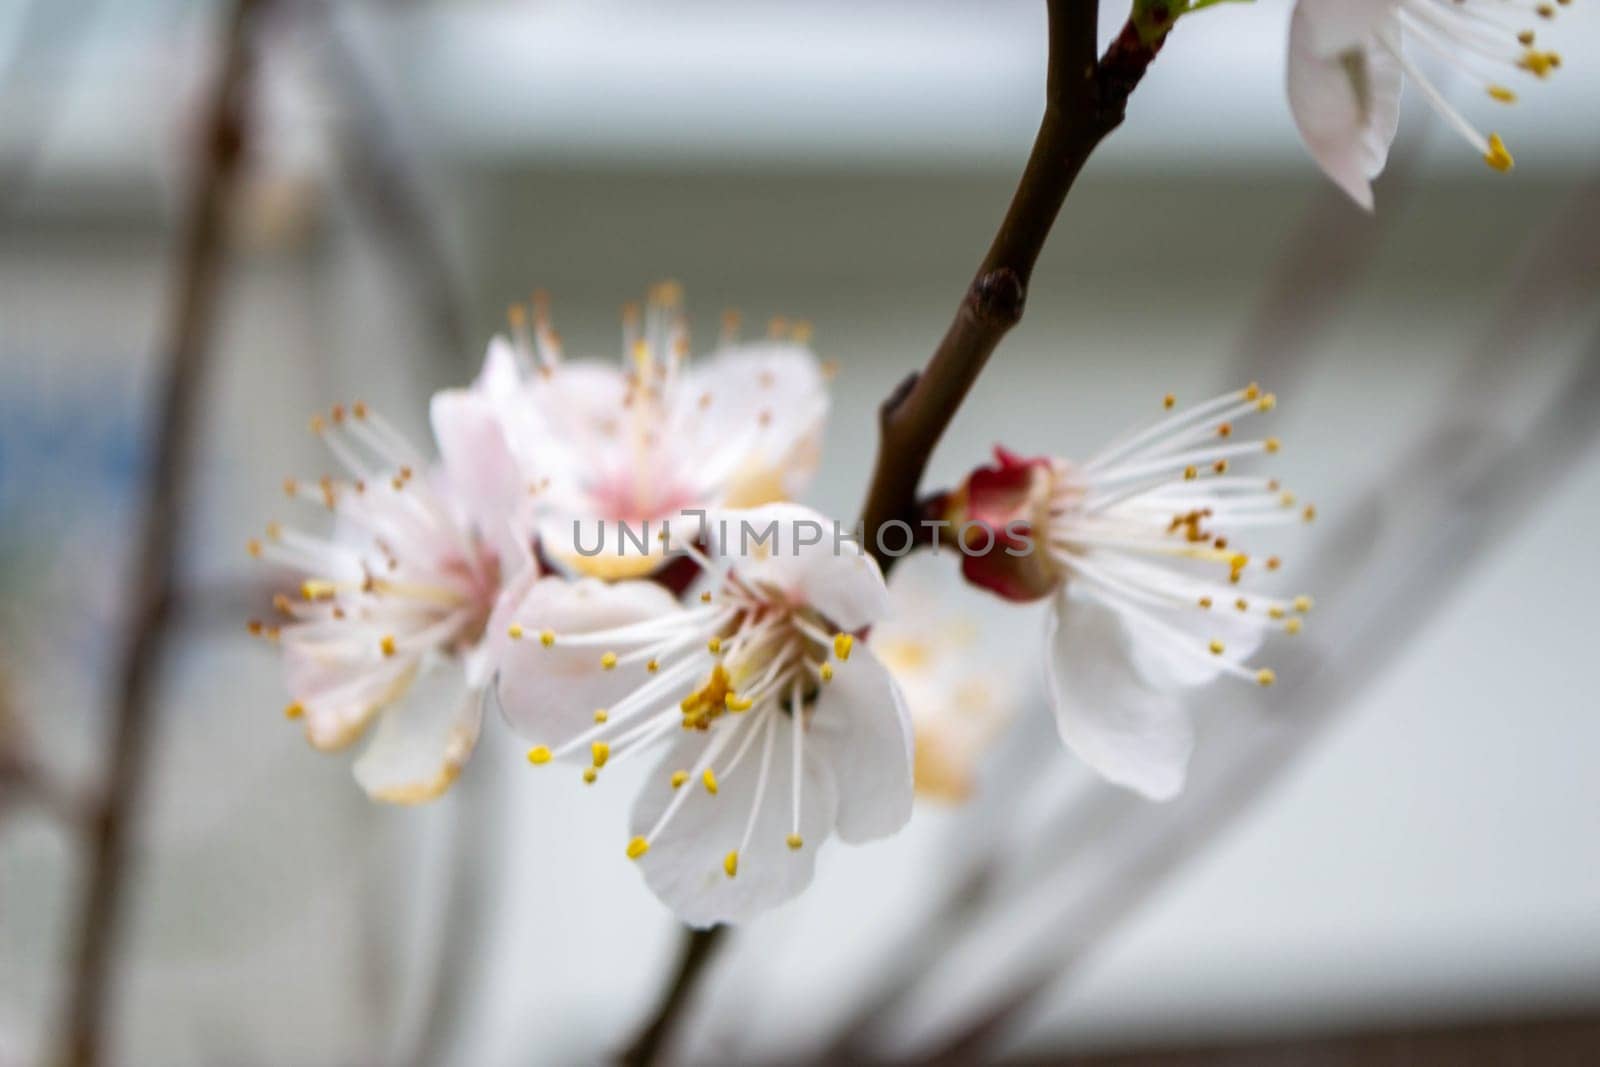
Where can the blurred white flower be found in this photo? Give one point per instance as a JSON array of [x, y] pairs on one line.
[[960, 683], [1138, 547], [601, 445], [1347, 59], [779, 728], [393, 604]]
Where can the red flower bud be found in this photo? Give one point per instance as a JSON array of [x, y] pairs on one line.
[[1001, 513]]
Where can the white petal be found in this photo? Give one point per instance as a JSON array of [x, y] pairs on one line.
[[550, 694], [1346, 104], [1130, 733], [339, 695], [1332, 26], [776, 391], [684, 866], [829, 572], [1150, 640], [479, 468], [861, 727], [422, 742]]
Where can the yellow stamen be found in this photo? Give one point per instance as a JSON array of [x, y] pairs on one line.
[[294, 711], [1266, 676], [1502, 94], [514, 631], [794, 841], [730, 863], [1252, 391], [826, 672], [547, 638], [679, 777], [1498, 157], [652, 666], [1217, 648], [842, 643], [601, 752], [539, 755], [608, 661], [589, 775], [1267, 402], [600, 715], [1273, 444], [1302, 604], [1292, 626], [637, 847], [387, 644], [1169, 401], [733, 702], [710, 780], [714, 645]]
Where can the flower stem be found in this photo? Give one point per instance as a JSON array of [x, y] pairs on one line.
[[187, 345], [699, 946], [1085, 99]]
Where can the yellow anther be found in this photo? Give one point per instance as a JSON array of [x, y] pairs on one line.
[[730, 863], [1497, 156], [842, 644], [1205, 602], [714, 646], [256, 627], [514, 631], [547, 638], [1525, 38], [1238, 563], [710, 780], [679, 777], [1252, 391], [317, 424], [600, 715], [1190, 474], [637, 847], [290, 487], [1225, 430], [1273, 563], [1266, 676], [539, 755], [253, 547], [1502, 94], [1310, 513], [1169, 401], [608, 660], [1276, 612], [802, 332], [1287, 500], [1292, 626], [705, 598], [733, 702], [826, 672], [1220, 466], [589, 775], [1217, 647], [294, 711], [1302, 604], [1267, 402], [387, 644], [652, 666], [600, 751], [1273, 444], [1242, 604], [794, 841]]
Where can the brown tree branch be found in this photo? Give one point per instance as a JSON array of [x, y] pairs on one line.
[[1085, 100], [698, 948], [190, 328]]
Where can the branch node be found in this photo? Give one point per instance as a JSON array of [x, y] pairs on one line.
[[996, 298], [897, 396]]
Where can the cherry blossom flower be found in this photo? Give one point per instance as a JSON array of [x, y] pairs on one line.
[[775, 726], [604, 447], [1348, 58], [388, 618], [1138, 549], [960, 683]]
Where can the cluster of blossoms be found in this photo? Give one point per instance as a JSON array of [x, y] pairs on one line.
[[445, 587], [1349, 58]]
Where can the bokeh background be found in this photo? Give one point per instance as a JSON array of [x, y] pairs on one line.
[[1404, 836]]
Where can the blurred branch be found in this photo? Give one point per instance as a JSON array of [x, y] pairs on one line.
[[190, 328], [1085, 100], [699, 946], [381, 175]]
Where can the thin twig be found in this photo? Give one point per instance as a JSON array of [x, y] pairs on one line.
[[192, 318], [1085, 100], [699, 946]]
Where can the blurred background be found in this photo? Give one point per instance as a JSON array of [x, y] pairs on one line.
[[1401, 839]]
